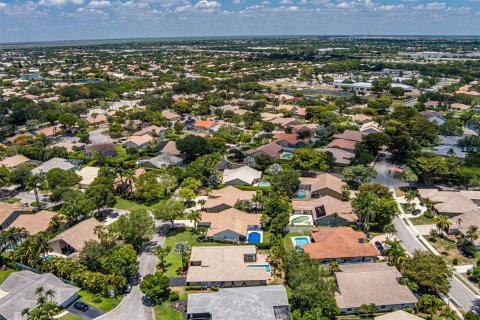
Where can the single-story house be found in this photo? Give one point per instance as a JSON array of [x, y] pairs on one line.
[[433, 116], [171, 116], [342, 245], [322, 210], [71, 241], [139, 142], [271, 150], [451, 203], [18, 292], [225, 266], [225, 198], [398, 315], [284, 122], [242, 176], [54, 163], [163, 159], [360, 118], [460, 106], [88, 174], [208, 125], [253, 303], [169, 147], [99, 118], [104, 149], [324, 184], [347, 145], [14, 161], [371, 127], [231, 224], [152, 131], [342, 158], [49, 132], [9, 212], [371, 283], [34, 223], [351, 135], [290, 140]]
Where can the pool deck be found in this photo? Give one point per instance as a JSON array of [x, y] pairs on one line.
[[299, 237]]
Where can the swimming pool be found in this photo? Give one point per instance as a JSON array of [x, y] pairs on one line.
[[301, 195], [299, 242], [286, 155], [254, 237], [266, 266], [301, 219], [264, 184]]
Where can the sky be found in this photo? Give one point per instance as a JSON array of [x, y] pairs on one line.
[[47, 20]]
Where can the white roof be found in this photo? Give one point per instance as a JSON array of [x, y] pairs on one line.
[[88, 174], [53, 164], [245, 174]]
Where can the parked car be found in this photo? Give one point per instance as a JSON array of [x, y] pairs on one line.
[[379, 246], [81, 306], [415, 212], [128, 288]]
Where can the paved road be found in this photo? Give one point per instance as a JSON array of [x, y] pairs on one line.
[[134, 305], [90, 314], [96, 136], [458, 292]]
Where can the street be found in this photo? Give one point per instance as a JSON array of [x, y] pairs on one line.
[[134, 305]]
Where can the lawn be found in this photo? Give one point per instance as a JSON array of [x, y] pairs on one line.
[[166, 312], [174, 262], [98, 301], [421, 220], [5, 273], [121, 151], [287, 241], [129, 205], [70, 316], [12, 200], [449, 250]]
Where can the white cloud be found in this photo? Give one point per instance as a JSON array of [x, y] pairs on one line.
[[205, 4], [99, 4], [3, 5], [58, 3], [286, 2], [431, 6]]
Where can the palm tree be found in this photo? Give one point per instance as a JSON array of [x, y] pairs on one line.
[[459, 223], [410, 196], [333, 267], [394, 252], [443, 224], [130, 180], [56, 221], [32, 184], [390, 230], [195, 216], [182, 249], [94, 116], [202, 203], [12, 236], [472, 233], [107, 238], [448, 313], [335, 216]]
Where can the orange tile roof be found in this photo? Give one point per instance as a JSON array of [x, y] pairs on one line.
[[333, 243], [207, 124]]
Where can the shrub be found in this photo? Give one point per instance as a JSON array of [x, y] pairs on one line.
[[173, 296], [429, 214], [455, 261], [193, 288], [214, 288]]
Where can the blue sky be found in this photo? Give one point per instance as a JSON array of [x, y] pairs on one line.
[[42, 20]]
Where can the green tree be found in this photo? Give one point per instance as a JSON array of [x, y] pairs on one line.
[[306, 159], [285, 181], [67, 120], [374, 142], [6, 176], [45, 309], [194, 146], [101, 196], [359, 174], [409, 176], [121, 261], [428, 166], [428, 271], [276, 213], [32, 184], [58, 178], [394, 252], [429, 304], [367, 309], [136, 227], [148, 189], [168, 210], [161, 253], [194, 216], [91, 254], [182, 249], [442, 224], [156, 286]]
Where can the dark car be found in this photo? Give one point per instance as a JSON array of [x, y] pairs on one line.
[[128, 288], [80, 306], [416, 212], [379, 246]]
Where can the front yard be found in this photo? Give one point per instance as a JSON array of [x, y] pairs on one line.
[[423, 219], [5, 273], [98, 301], [449, 250], [128, 205], [165, 311], [173, 262]]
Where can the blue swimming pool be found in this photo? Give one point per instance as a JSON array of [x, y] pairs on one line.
[[301, 195], [301, 241], [254, 237], [266, 266], [286, 155], [264, 184]]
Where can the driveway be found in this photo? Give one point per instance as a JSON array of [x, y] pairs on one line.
[[96, 136], [381, 166], [90, 314], [135, 305]]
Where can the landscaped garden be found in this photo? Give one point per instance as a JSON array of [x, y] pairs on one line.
[[99, 301], [424, 219]]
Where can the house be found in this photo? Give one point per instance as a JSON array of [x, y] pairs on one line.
[[460, 106], [253, 303], [290, 140], [152, 131], [398, 315], [347, 145], [284, 122], [324, 184], [371, 127], [49, 132], [268, 117], [18, 292], [360, 118], [54, 163], [371, 283], [34, 223], [169, 147], [207, 125], [342, 158], [16, 139], [231, 224], [451, 203], [322, 210], [350, 135], [139, 142], [71, 241], [461, 223], [242, 176], [171, 116], [163, 159], [88, 174], [307, 127], [271, 150], [14, 161], [342, 245], [104, 149], [225, 266], [99, 118], [433, 116], [70, 145], [432, 104], [225, 198], [9, 212], [126, 185]]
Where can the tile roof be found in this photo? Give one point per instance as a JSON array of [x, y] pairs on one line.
[[323, 181], [337, 243], [351, 135], [7, 209], [77, 235], [13, 161], [34, 223], [230, 219], [244, 173], [228, 196], [329, 205], [342, 144]]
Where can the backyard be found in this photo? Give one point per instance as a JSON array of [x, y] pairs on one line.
[[165, 311], [174, 262]]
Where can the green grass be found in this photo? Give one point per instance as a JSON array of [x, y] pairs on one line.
[[287, 241], [102, 303], [5, 273], [166, 312], [70, 316], [122, 152], [129, 205], [174, 262], [38, 204], [12, 200], [423, 220]]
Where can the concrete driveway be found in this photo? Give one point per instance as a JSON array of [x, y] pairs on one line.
[[135, 305], [96, 136], [90, 314]]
